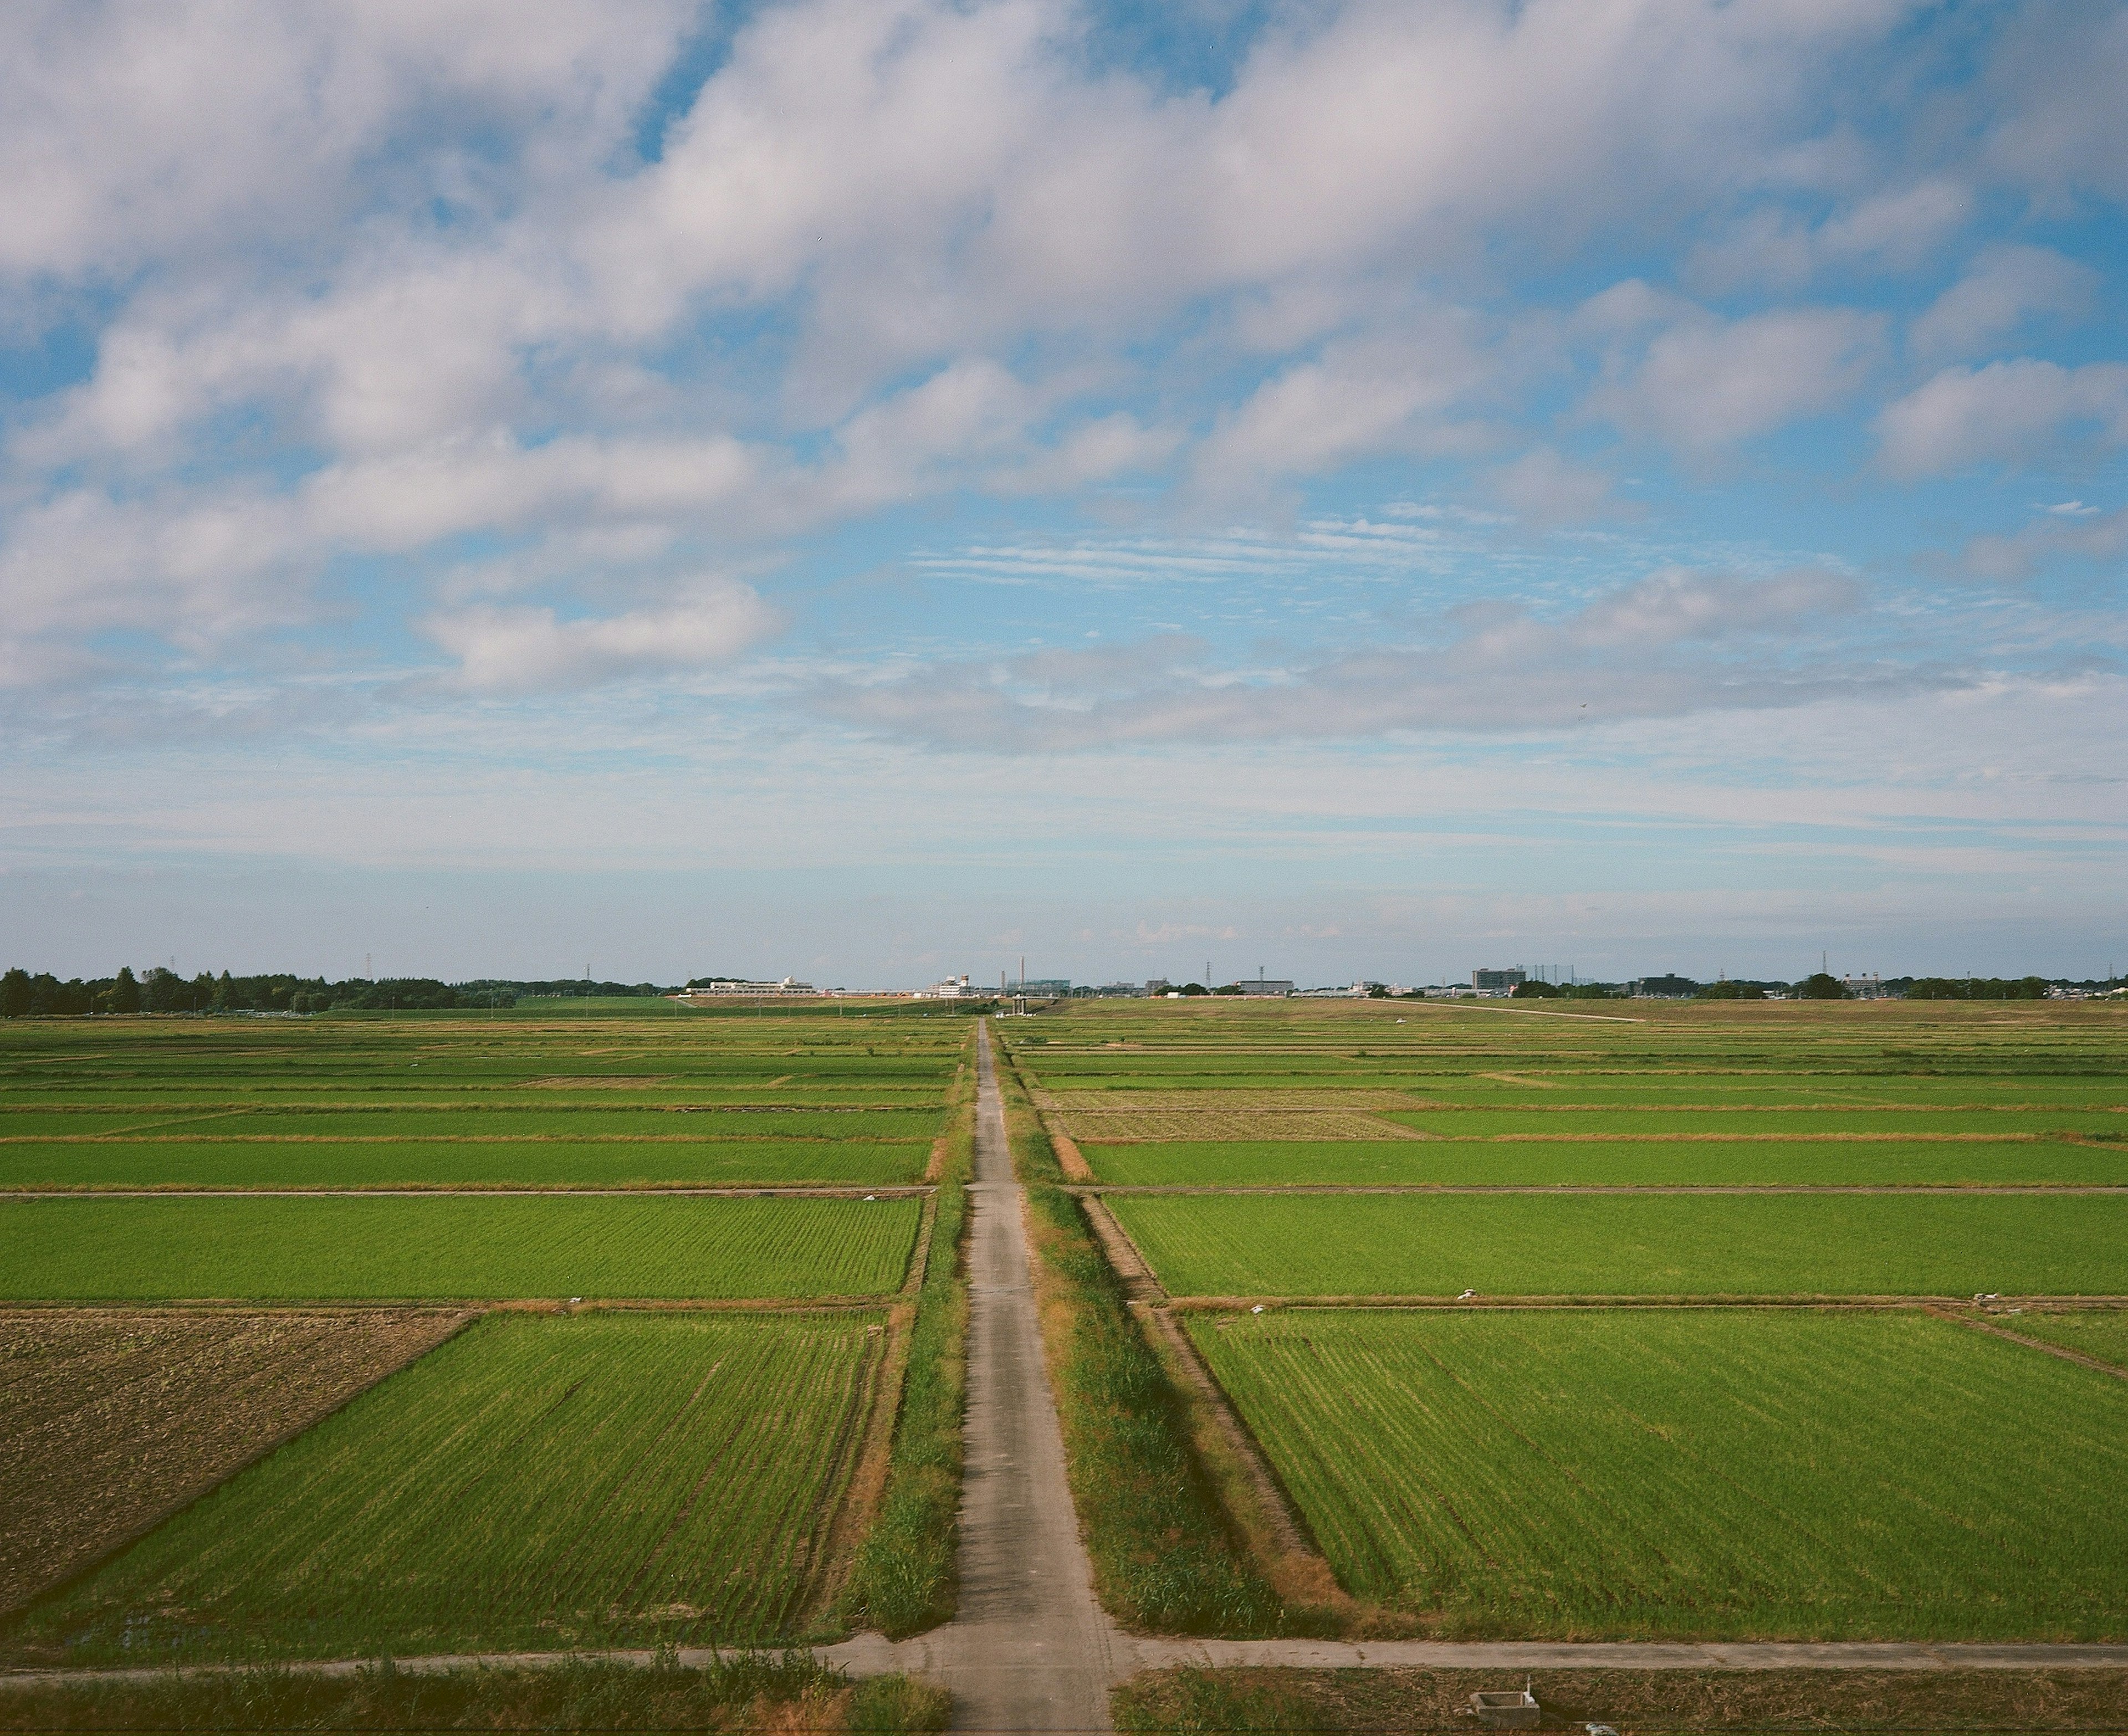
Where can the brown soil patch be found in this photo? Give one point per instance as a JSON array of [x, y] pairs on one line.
[[117, 1417]]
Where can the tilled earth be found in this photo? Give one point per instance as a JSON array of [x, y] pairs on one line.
[[111, 1418]]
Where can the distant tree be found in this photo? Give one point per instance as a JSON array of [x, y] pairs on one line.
[[159, 991], [124, 993], [1531, 989], [15, 994], [1228, 988], [1820, 986], [1729, 992]]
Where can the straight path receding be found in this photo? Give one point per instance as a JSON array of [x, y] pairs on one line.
[[1030, 1648]]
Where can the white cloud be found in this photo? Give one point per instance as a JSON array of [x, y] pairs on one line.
[[2010, 412], [1544, 488], [138, 130], [1705, 383], [1673, 644], [1363, 396], [2077, 533], [1772, 249], [530, 651], [2006, 285]]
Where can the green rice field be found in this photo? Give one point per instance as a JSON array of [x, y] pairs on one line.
[[1645, 1244], [281, 1247], [538, 1482], [556, 1163], [1531, 1163], [669, 1098], [2097, 1332], [1732, 1473]]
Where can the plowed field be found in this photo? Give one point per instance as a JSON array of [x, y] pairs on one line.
[[110, 1419]]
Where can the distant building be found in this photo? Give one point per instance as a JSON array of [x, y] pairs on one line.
[[1665, 988], [947, 988], [1044, 988], [1118, 991], [1265, 987], [1869, 987], [1498, 982], [723, 985], [1156, 986]]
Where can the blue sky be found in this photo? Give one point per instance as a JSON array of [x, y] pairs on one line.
[[870, 488]]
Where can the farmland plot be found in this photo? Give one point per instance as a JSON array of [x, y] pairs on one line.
[[471, 1163], [1533, 1163], [112, 1418], [1742, 1473], [2097, 1332], [422, 1246], [538, 1482], [1633, 1244]]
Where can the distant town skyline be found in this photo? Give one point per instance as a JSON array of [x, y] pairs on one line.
[[868, 488]]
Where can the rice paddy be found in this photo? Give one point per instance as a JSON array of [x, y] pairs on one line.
[[1590, 1463], [1732, 1473], [538, 1482], [455, 1247], [1633, 1244]]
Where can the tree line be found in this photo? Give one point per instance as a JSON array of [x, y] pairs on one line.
[[43, 995]]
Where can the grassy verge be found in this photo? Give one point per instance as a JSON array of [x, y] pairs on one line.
[[903, 1579], [1164, 1557], [1325, 1700], [742, 1692]]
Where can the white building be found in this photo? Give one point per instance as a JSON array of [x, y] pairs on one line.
[[947, 988], [789, 985]]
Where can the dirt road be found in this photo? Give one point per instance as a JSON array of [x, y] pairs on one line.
[[1030, 1648]]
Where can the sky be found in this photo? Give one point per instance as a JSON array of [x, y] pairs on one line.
[[870, 489]]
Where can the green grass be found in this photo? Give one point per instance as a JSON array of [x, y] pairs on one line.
[[558, 1162], [1752, 1120], [449, 1246], [2099, 1332], [1269, 1163], [905, 1577], [1734, 1474], [538, 1482], [1633, 1245]]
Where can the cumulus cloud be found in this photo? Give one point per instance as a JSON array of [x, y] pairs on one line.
[[1776, 250], [514, 651], [1707, 383], [1676, 642], [1544, 488], [2014, 412], [132, 130], [2006, 285], [2071, 532]]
